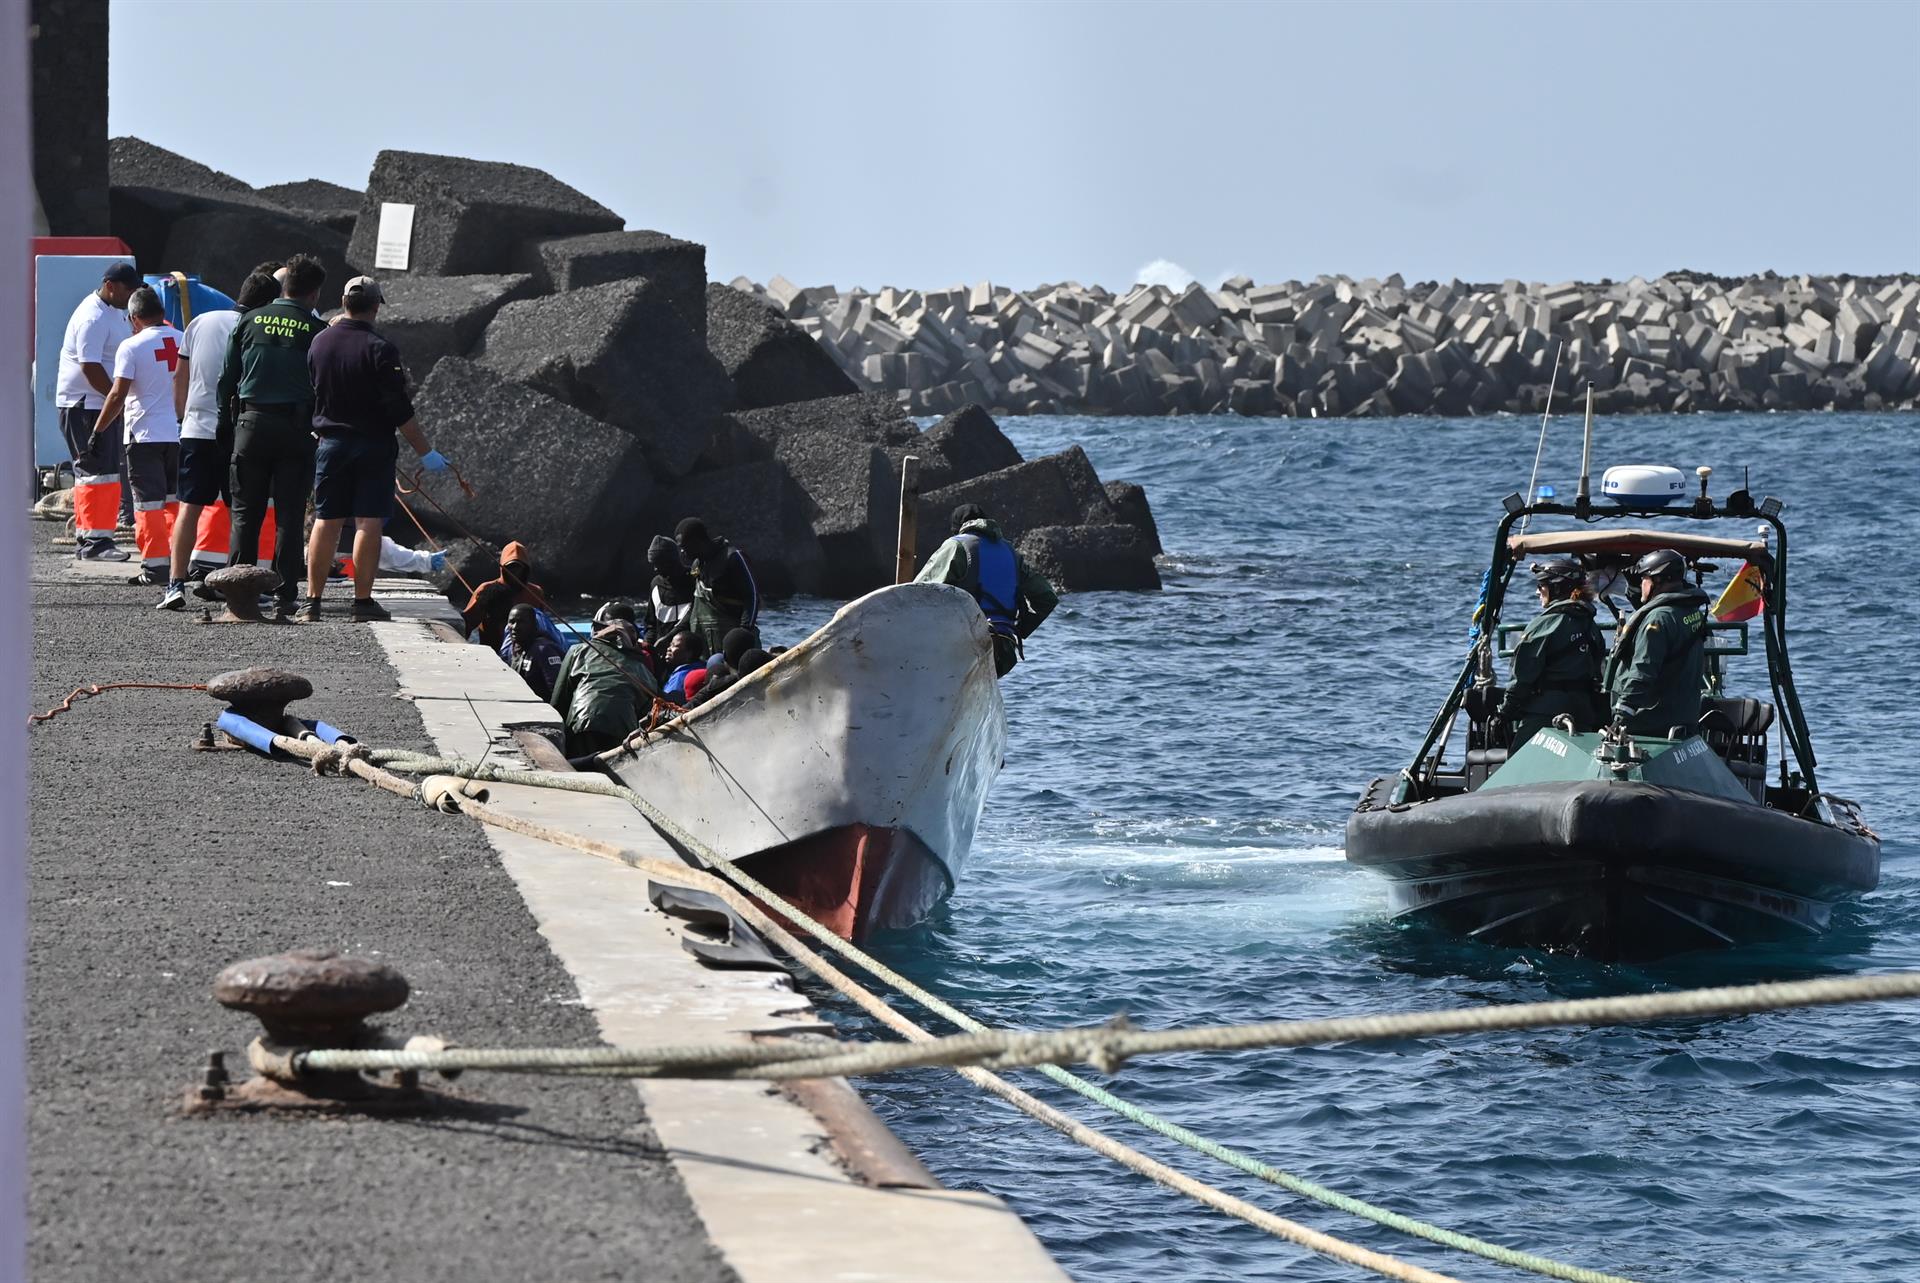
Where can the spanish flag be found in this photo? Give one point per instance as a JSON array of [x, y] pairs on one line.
[[1742, 597]]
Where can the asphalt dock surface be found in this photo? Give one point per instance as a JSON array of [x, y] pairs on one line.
[[154, 866]]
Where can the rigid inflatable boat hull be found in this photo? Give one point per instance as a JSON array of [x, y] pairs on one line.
[[1611, 870]]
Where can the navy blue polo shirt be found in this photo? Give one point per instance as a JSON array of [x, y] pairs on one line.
[[359, 385]]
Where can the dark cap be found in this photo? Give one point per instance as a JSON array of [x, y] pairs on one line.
[[363, 289], [122, 274]]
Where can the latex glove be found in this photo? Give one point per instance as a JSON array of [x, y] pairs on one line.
[[433, 461], [439, 560]]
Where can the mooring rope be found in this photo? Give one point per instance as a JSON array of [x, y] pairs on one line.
[[408, 760], [1106, 1048], [100, 688], [1109, 1047], [1280, 1227]]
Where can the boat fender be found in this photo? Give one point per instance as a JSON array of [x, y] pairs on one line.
[[246, 731]]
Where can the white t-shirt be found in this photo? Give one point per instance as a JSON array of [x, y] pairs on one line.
[[206, 351], [93, 333], [148, 360]]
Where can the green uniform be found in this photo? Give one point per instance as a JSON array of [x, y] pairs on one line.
[[1657, 673], [266, 364], [1012, 621], [603, 692], [1556, 671]]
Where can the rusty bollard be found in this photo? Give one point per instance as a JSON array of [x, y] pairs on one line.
[[306, 999], [260, 695], [241, 588]]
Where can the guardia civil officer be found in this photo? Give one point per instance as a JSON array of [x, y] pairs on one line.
[[1656, 676], [1557, 661], [1015, 598], [265, 405]]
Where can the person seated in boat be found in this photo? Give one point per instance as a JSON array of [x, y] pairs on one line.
[[1556, 662], [516, 576], [604, 689], [680, 660], [1656, 675], [725, 596], [670, 597], [530, 651], [1015, 598]]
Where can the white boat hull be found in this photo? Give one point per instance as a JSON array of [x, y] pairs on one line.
[[850, 773]]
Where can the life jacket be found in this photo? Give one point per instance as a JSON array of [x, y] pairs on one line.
[[996, 579]]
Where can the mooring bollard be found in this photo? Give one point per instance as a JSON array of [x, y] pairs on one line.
[[241, 588], [260, 695]]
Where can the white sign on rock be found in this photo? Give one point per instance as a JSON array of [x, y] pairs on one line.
[[394, 244]]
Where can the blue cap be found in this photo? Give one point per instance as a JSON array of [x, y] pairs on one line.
[[122, 274]]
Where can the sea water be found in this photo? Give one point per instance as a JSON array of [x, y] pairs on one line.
[[1165, 842]]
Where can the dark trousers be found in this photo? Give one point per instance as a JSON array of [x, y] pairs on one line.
[[273, 459]]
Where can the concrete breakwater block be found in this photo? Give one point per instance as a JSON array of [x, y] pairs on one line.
[[1054, 490], [179, 215], [1130, 508], [620, 353], [430, 317], [848, 478], [326, 203], [678, 268], [569, 486], [761, 509], [1338, 346], [221, 246], [471, 217], [69, 111], [770, 360], [1092, 558], [964, 445]]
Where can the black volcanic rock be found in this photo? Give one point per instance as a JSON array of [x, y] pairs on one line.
[[471, 216], [678, 268], [569, 487], [771, 361], [327, 203], [430, 317], [620, 353]]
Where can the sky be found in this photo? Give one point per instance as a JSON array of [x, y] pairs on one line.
[[929, 144]]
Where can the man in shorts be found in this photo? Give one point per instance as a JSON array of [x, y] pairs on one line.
[[94, 333], [142, 392], [359, 400], [203, 455]]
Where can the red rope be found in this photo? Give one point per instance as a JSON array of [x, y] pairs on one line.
[[88, 692]]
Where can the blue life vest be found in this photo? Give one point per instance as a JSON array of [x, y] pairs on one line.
[[999, 580]]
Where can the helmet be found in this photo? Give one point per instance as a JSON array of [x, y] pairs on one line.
[[1559, 572], [1661, 563]]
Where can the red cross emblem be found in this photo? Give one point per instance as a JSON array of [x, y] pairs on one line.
[[168, 351]]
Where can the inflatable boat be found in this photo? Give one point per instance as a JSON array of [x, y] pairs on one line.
[[1612, 845]]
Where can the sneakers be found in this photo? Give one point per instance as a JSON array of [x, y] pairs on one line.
[[368, 611], [309, 612], [175, 598], [148, 578], [102, 550]]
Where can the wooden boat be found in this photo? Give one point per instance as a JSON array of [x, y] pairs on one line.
[[848, 774], [1613, 845]]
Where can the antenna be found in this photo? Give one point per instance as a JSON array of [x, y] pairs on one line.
[[1546, 410], [1586, 457]]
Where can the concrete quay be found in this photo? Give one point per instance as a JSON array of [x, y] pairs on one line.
[[154, 865], [1367, 348]]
